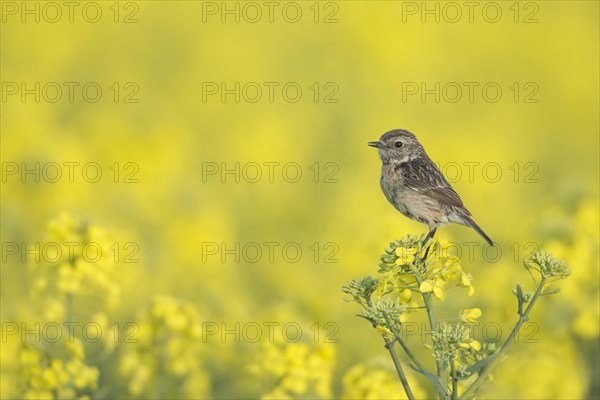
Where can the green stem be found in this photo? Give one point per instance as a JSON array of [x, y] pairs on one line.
[[432, 326], [454, 381], [432, 323], [409, 353], [390, 346], [418, 366], [487, 369], [398, 338]]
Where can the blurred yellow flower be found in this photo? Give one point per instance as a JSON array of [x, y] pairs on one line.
[[377, 379], [167, 346], [62, 370], [470, 315], [298, 369]]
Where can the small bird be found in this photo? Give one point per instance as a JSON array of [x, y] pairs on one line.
[[416, 187]]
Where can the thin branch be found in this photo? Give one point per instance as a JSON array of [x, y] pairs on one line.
[[432, 325], [420, 368], [432, 321], [408, 352], [390, 346], [454, 381]]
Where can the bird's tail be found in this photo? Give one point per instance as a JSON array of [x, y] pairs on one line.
[[479, 230]]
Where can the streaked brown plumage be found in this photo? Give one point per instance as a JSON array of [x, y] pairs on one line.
[[416, 187]]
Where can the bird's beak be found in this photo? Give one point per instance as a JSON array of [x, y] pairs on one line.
[[377, 144]]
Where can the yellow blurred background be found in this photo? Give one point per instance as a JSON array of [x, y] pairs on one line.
[[231, 142]]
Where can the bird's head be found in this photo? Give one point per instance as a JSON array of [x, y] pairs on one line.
[[398, 146]]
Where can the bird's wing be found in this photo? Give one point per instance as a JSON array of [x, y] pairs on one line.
[[423, 176]]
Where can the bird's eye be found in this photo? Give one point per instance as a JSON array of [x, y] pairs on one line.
[[398, 144]]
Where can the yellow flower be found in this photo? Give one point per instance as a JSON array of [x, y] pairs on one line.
[[465, 281], [296, 352], [475, 345], [383, 330], [176, 321], [436, 286], [452, 270], [28, 356], [140, 379], [69, 278], [375, 379], [405, 296], [470, 315], [298, 369], [129, 362], [296, 382], [163, 306], [61, 374], [586, 323], [174, 347], [176, 326], [195, 330], [178, 367], [49, 378]]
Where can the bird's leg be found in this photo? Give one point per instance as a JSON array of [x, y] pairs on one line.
[[429, 236]]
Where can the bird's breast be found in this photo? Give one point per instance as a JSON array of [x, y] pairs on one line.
[[391, 183]]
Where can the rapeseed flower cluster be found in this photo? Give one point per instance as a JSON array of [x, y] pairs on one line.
[[409, 267], [295, 370], [74, 260], [165, 360], [375, 379], [56, 372], [72, 267]]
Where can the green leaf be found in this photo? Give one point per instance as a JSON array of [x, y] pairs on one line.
[[520, 299], [480, 364]]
